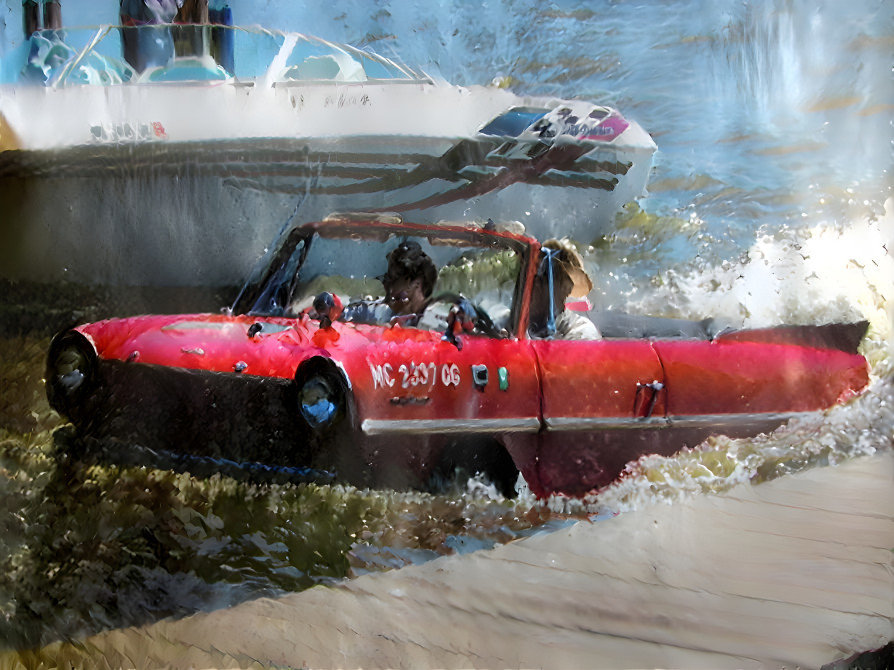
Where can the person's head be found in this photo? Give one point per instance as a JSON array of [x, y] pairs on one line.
[[410, 278], [569, 279]]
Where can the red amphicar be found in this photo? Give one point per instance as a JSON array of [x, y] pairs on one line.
[[388, 353]]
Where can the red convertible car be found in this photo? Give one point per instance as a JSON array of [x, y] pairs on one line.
[[317, 364]]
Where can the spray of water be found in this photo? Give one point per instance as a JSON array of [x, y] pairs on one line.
[[813, 274], [820, 273]]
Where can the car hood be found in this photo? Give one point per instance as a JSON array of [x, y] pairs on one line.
[[266, 346]]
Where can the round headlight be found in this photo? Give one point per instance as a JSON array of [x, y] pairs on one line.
[[319, 401], [71, 370]]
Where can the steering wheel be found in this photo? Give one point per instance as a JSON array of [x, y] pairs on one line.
[[466, 317]]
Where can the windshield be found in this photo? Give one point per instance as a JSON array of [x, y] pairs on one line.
[[149, 53], [373, 273]]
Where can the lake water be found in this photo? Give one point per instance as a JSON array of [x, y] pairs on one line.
[[766, 204]]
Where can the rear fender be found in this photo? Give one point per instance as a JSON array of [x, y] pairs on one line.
[[844, 337]]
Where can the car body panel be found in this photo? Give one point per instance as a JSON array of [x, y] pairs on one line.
[[717, 377], [398, 374], [595, 385], [570, 413], [213, 342], [427, 384]]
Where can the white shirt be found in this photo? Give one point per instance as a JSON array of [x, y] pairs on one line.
[[574, 326]]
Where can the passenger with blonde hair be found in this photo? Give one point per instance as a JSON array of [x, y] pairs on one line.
[[560, 274]]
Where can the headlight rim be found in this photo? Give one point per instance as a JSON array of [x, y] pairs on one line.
[[330, 395], [64, 397], [324, 373]]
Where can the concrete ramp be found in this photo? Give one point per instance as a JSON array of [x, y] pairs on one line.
[[797, 572]]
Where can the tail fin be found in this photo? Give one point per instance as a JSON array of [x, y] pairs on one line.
[[845, 337]]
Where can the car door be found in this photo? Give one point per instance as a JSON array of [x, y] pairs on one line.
[[594, 385], [414, 382], [601, 400]]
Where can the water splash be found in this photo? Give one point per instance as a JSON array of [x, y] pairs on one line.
[[811, 274], [815, 273]]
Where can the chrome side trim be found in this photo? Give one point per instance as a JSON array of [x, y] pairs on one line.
[[691, 421], [532, 424], [604, 423], [344, 372], [721, 420], [410, 426]]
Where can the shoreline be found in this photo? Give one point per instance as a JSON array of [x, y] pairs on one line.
[[793, 572]]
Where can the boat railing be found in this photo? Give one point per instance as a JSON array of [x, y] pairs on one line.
[[173, 53]]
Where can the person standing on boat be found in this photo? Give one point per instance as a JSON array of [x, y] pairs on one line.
[[154, 47], [150, 47], [561, 274], [190, 35]]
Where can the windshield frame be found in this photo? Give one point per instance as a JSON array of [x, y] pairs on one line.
[[257, 56], [262, 282]]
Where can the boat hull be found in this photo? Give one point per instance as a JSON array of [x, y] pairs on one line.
[[155, 185]]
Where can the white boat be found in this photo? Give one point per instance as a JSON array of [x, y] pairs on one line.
[[276, 115]]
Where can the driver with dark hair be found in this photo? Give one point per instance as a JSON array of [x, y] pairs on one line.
[[410, 279], [408, 282]]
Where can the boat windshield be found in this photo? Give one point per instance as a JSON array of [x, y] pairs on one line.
[[360, 270], [169, 53]]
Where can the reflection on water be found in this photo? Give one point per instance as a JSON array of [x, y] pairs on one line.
[[766, 205], [92, 545], [88, 544]]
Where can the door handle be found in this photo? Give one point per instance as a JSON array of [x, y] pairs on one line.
[[646, 398]]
